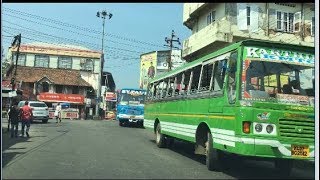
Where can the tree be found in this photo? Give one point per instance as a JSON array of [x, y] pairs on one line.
[[5, 63]]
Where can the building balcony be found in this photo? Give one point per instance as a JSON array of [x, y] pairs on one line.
[[221, 33], [213, 33], [191, 10]]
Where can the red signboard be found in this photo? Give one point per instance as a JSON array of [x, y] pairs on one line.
[[6, 85], [72, 115], [56, 97], [110, 96]]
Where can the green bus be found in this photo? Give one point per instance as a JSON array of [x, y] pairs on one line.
[[252, 98]]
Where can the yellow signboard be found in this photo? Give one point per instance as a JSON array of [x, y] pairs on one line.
[[58, 51], [147, 68]]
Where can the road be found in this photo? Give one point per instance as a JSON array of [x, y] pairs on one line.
[[95, 149]]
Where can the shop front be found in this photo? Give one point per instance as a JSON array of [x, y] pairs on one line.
[[72, 104]]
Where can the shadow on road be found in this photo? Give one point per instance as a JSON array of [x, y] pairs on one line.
[[7, 142], [8, 151], [244, 169]]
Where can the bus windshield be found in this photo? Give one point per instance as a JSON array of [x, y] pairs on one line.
[[130, 98], [280, 82]]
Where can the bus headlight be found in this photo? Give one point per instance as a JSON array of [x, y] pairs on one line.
[[258, 127], [269, 128]]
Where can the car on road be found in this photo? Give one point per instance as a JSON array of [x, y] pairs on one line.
[[39, 109]]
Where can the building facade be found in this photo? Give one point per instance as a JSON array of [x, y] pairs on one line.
[[215, 25], [54, 74]]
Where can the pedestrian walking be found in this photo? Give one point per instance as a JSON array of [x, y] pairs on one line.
[[26, 117], [14, 117], [57, 113]]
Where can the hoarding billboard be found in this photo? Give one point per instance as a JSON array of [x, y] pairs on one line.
[[147, 68], [164, 56]]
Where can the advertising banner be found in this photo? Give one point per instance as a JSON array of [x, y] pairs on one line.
[[279, 55], [58, 51], [58, 97], [163, 57], [111, 96], [147, 68]]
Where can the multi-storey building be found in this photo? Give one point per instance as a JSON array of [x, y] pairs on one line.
[[54, 74], [215, 25]]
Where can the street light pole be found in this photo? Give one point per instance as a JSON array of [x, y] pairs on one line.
[[103, 15]]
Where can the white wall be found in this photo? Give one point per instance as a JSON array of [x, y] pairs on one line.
[[220, 13], [233, 26]]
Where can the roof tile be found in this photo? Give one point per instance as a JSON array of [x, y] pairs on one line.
[[57, 76]]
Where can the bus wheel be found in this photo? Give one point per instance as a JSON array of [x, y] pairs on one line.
[[160, 138], [211, 154], [140, 124], [283, 166]]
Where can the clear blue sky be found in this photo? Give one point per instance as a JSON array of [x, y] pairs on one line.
[[148, 23]]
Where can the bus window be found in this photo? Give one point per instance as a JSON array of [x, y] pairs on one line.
[[219, 73], [163, 87], [157, 90], [195, 79], [232, 67], [170, 86], [206, 77], [185, 82], [178, 86]]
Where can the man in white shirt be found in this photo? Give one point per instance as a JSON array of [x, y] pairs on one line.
[[57, 113]]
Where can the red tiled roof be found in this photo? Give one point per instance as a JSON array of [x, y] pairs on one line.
[[56, 76]]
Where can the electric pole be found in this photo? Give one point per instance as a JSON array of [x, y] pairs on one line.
[[16, 43], [170, 42], [102, 15]]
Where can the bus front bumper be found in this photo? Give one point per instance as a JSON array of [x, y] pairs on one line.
[[272, 148], [130, 118]]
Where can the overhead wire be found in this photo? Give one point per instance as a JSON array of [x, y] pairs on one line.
[[78, 27]]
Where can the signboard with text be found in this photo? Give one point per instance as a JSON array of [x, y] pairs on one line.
[[57, 97], [111, 96]]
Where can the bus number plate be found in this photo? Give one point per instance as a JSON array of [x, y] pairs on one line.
[[131, 117], [299, 151]]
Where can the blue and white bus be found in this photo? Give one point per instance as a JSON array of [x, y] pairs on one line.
[[130, 106]]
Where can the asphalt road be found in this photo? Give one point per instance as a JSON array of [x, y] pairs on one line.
[[97, 149]]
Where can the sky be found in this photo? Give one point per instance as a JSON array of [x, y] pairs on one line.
[[134, 29]]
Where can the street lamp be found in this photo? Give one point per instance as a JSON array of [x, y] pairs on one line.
[[103, 14]]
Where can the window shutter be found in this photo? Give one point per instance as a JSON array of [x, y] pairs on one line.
[[272, 19], [254, 19], [279, 20], [297, 21], [242, 16]]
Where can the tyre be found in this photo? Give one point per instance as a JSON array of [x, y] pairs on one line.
[[283, 167], [212, 157], [160, 138], [120, 123], [140, 124], [45, 121]]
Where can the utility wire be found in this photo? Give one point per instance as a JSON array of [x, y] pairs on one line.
[[76, 41], [77, 27], [94, 37]]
